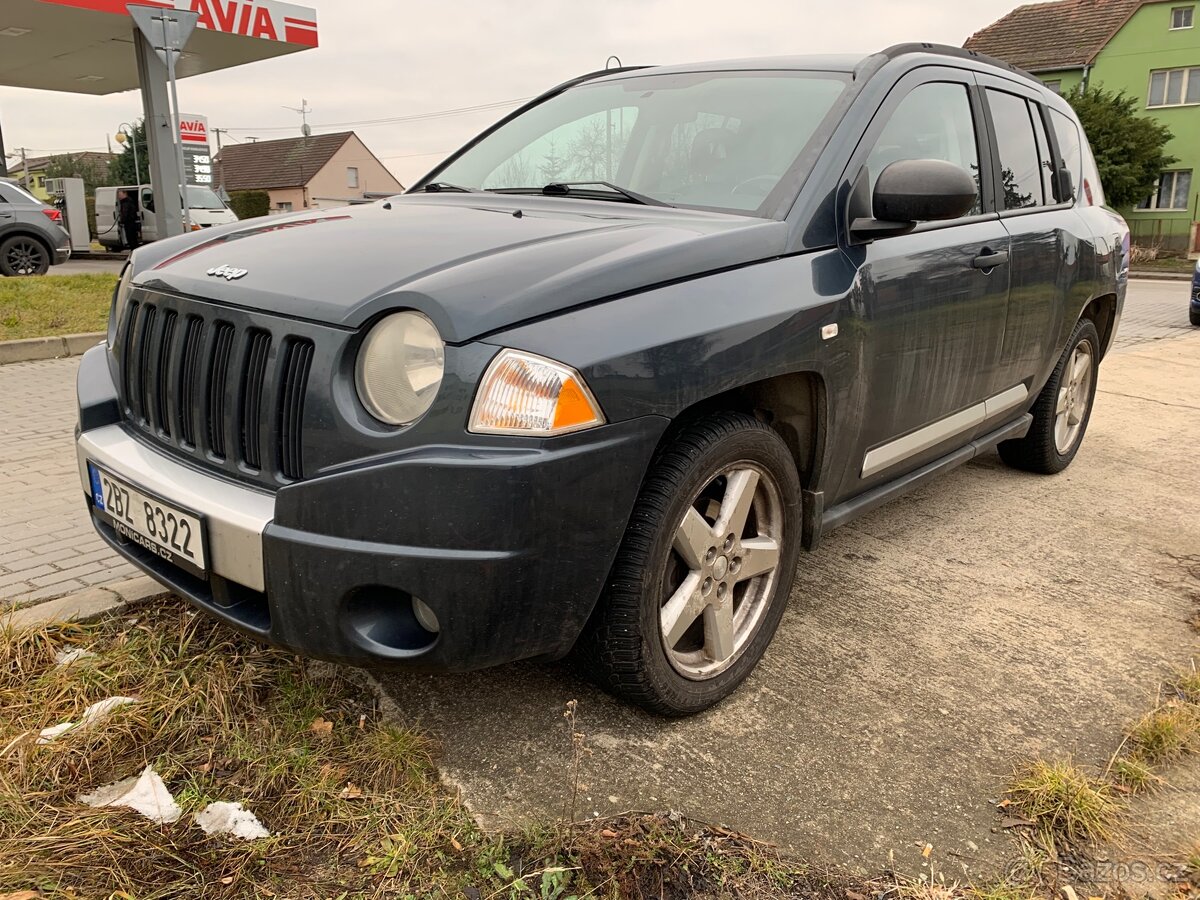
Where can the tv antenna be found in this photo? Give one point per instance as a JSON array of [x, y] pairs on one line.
[[304, 109]]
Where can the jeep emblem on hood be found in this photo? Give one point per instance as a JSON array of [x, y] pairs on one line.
[[229, 273]]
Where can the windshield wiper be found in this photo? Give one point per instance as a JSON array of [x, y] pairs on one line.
[[436, 187], [566, 189]]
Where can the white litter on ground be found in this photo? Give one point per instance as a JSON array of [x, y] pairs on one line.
[[92, 715], [231, 818], [144, 793], [66, 657]]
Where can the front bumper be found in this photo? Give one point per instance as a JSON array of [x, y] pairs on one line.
[[508, 545]]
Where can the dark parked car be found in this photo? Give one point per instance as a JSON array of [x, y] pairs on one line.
[[32, 238], [1194, 308], [597, 380]]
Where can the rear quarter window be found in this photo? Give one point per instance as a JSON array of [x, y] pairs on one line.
[[1069, 147]]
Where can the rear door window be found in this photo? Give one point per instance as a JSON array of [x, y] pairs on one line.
[[1020, 162]]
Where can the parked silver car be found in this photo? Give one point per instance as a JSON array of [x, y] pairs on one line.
[[32, 238]]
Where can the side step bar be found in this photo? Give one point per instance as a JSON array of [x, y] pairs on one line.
[[851, 509]]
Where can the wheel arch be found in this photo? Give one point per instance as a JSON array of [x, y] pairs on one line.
[[1102, 311], [793, 404]]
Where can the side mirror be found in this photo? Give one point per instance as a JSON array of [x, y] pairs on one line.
[[912, 191]]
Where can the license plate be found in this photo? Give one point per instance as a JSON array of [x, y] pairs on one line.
[[164, 529]]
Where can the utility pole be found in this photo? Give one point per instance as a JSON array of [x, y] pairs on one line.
[[24, 165], [220, 163]]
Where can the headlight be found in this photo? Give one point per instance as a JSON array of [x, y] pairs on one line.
[[525, 394], [119, 302], [400, 367]]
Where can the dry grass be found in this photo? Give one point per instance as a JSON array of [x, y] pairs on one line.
[[43, 307], [1165, 734], [355, 811], [1064, 802]]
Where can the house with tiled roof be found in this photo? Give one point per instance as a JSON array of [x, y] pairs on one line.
[[321, 170], [33, 171], [1148, 49]]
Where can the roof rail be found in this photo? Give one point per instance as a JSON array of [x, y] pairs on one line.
[[874, 62]]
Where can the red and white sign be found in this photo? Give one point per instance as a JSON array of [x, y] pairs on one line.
[[197, 161], [268, 20], [193, 130]]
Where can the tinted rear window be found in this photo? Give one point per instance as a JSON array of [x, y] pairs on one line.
[[1020, 165]]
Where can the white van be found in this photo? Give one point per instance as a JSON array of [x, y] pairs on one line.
[[206, 208]]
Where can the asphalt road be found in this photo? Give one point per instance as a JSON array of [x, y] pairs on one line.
[[984, 618]]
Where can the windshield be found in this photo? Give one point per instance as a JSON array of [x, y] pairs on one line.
[[716, 140], [203, 198]]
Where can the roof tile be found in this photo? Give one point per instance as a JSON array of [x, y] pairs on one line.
[[1042, 37], [287, 163]]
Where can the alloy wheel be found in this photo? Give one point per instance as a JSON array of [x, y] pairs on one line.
[[1074, 397], [25, 257], [722, 571]]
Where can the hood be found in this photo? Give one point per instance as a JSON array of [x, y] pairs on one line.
[[474, 263]]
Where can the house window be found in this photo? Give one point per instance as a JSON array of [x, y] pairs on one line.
[[1181, 17], [352, 172], [1055, 86], [1173, 192], [284, 205], [1174, 87]]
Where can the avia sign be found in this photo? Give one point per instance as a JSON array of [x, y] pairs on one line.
[[197, 161], [254, 18], [268, 20]]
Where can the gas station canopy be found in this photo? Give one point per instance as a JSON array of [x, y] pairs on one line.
[[87, 46]]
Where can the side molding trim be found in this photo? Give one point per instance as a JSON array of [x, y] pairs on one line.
[[897, 451]]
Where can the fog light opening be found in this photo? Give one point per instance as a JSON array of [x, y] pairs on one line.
[[389, 622], [426, 617]]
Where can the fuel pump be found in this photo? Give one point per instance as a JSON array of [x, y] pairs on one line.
[[69, 197]]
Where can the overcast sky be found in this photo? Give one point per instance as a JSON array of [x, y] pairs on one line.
[[381, 58]]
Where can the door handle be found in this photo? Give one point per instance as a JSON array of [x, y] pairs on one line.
[[989, 260]]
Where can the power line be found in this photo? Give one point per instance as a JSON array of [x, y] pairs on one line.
[[394, 120], [414, 155]]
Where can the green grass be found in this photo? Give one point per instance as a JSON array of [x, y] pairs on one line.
[[44, 307], [1064, 802], [355, 810], [1165, 264]]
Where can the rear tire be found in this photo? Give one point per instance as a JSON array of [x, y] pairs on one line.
[[1063, 409], [688, 612], [22, 256]]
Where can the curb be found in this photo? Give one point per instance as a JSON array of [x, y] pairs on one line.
[[1159, 276], [87, 604], [33, 349]]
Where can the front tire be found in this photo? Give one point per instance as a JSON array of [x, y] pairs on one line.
[[1063, 409], [1194, 315], [23, 256], [703, 574]]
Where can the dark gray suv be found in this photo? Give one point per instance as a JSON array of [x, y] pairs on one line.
[[31, 236], [597, 380]]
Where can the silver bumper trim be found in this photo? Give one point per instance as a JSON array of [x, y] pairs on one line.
[[235, 516]]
